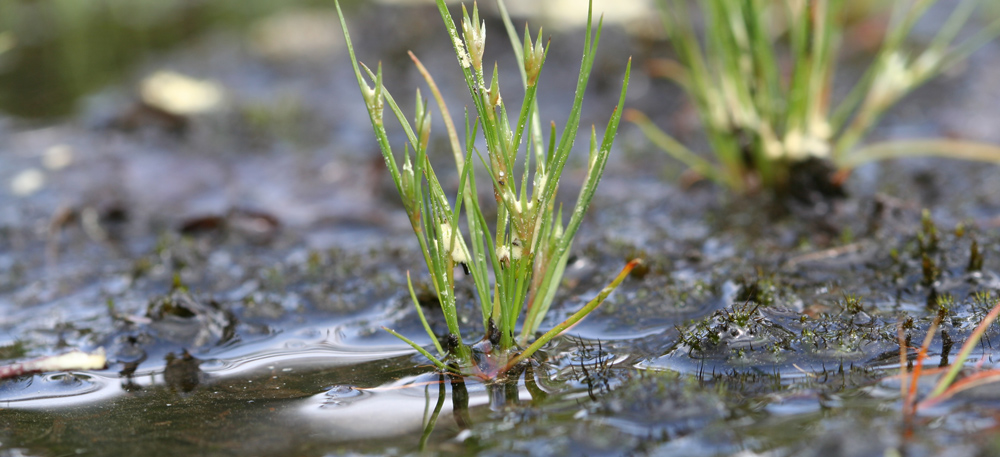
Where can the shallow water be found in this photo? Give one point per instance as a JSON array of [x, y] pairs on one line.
[[238, 268]]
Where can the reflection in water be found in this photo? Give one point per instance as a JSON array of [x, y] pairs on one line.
[[190, 405], [412, 405], [56, 391], [432, 421], [182, 373], [460, 402], [500, 393]]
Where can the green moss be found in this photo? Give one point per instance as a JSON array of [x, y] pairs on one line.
[[14, 350]]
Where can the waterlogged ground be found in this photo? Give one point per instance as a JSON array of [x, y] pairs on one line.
[[237, 264]]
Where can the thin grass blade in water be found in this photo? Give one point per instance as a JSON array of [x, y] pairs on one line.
[[963, 355], [576, 317]]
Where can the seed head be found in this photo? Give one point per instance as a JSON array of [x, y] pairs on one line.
[[926, 64], [408, 179], [374, 97], [459, 253], [799, 145], [475, 36], [506, 254], [893, 80], [494, 91], [534, 56], [463, 56], [422, 121]]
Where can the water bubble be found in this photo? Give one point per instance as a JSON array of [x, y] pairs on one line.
[[338, 396]]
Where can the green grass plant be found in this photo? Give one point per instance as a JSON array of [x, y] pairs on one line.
[[517, 262], [762, 75]]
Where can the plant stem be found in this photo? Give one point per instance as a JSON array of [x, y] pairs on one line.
[[576, 317]]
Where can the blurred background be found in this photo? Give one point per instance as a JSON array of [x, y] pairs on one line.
[[125, 119], [56, 53], [165, 110]]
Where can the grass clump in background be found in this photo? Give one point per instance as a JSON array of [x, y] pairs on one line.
[[762, 77], [517, 261]]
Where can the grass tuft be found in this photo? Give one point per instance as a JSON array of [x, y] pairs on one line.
[[517, 261], [762, 74]]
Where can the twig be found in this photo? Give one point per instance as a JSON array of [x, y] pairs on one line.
[[825, 254], [75, 360]]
